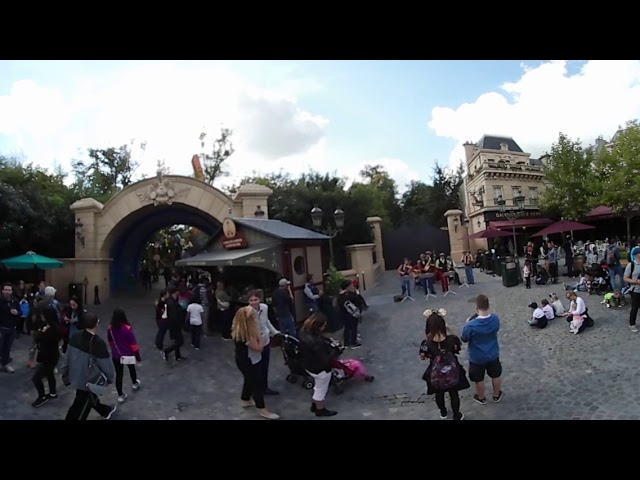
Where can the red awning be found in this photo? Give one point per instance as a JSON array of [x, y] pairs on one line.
[[521, 222], [601, 211]]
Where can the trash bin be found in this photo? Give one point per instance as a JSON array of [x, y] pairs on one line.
[[578, 263], [510, 277], [75, 290], [489, 265]]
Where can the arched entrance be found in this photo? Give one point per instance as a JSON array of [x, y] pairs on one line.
[[111, 237]]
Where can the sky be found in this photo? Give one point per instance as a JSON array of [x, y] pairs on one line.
[[297, 116]]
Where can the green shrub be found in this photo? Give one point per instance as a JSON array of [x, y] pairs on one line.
[[332, 281]]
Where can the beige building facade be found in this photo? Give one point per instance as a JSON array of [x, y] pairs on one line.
[[496, 168]]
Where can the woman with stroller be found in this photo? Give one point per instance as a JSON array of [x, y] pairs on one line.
[[442, 345], [317, 354], [246, 335]]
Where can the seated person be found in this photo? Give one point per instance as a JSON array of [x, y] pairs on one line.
[[557, 305], [581, 286], [613, 299], [542, 276], [549, 313], [538, 318], [575, 324]]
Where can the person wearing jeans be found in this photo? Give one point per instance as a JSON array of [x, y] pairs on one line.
[[615, 269], [632, 278], [9, 314], [282, 301], [404, 271], [123, 346], [467, 260], [47, 339]]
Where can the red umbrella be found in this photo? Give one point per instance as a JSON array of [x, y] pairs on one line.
[[562, 226], [489, 233]]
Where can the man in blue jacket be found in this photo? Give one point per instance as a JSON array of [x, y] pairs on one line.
[[481, 333]]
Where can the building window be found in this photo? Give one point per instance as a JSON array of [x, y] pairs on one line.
[[298, 265], [497, 193], [533, 195], [515, 191]]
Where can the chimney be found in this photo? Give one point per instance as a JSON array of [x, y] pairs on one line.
[[468, 150], [600, 144]]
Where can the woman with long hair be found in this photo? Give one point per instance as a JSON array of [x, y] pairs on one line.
[[444, 373], [47, 338], [124, 351], [267, 330], [73, 317], [246, 334], [317, 355], [162, 319]]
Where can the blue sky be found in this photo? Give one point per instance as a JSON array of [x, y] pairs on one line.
[[296, 115]]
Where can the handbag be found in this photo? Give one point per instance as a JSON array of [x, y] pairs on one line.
[[98, 381], [124, 359]]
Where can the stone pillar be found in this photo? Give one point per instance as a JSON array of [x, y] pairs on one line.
[[85, 212], [457, 232], [248, 198], [362, 262], [376, 226]]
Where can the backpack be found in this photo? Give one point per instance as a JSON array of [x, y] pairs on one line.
[[445, 370]]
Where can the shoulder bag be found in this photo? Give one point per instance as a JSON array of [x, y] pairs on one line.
[[98, 381], [124, 359]]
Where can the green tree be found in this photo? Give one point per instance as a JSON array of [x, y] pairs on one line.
[[444, 194], [34, 210], [616, 172], [377, 177], [221, 150], [416, 202], [568, 173], [105, 173]]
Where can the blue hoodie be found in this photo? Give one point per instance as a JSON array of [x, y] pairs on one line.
[[482, 335]]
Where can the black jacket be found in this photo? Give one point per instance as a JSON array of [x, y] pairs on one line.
[[7, 320], [48, 345], [81, 312], [317, 352], [175, 314], [350, 305]]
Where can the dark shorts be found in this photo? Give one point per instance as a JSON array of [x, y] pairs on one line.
[[477, 372]]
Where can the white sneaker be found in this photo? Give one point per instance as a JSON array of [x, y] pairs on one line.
[[9, 369], [122, 398], [136, 386], [634, 329]]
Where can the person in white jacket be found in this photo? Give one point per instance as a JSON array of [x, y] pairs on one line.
[[267, 330]]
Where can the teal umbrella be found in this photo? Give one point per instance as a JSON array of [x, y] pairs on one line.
[[31, 260]]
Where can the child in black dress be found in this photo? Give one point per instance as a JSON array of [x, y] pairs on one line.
[[441, 347]]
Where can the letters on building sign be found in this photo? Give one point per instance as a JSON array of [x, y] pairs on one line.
[[232, 238], [234, 243], [532, 213]]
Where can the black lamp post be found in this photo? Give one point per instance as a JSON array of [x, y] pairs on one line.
[[466, 222], [512, 215], [332, 232]]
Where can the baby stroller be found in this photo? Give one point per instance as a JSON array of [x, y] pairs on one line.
[[293, 359], [342, 370], [600, 279], [542, 276]]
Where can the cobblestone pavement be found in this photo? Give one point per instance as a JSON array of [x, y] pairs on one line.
[[548, 374]]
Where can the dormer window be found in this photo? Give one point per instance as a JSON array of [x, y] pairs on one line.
[[504, 146]]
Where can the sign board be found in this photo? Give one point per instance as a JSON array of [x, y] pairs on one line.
[[232, 239]]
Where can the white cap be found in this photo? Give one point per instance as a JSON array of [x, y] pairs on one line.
[[50, 291], [284, 282]]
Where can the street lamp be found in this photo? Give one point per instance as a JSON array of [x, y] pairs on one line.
[[512, 215], [466, 222], [331, 232]]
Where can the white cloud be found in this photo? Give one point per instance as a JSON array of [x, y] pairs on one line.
[[167, 104], [543, 102]]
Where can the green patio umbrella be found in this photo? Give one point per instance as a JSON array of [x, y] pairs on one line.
[[31, 260]]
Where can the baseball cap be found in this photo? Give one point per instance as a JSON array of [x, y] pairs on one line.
[[533, 305], [284, 282]]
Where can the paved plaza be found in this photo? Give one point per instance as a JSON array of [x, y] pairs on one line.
[[548, 374]]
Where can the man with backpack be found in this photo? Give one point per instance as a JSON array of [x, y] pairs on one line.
[[481, 333], [615, 269], [350, 308]]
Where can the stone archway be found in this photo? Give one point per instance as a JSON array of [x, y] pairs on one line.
[[109, 237]]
